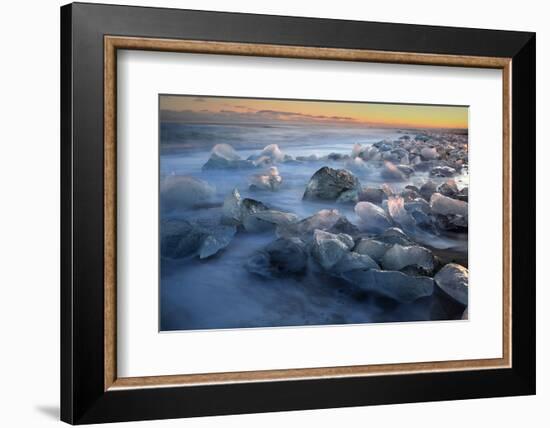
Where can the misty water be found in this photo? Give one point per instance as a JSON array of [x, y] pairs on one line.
[[218, 292]]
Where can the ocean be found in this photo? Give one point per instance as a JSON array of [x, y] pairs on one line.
[[218, 292]]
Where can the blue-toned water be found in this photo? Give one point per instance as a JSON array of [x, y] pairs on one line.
[[218, 292]]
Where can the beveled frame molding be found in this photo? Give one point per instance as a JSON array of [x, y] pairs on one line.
[[113, 43]]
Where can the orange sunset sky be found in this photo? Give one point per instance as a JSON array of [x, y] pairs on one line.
[[197, 109]]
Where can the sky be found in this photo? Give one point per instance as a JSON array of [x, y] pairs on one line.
[[199, 109]]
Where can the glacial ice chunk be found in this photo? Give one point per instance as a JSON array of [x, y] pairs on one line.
[[448, 188], [372, 194], [181, 191], [262, 221], [328, 248], [453, 280], [428, 189], [235, 209], [231, 210], [393, 284], [356, 150], [372, 248], [394, 235], [391, 172], [429, 153], [181, 238], [269, 181], [273, 152], [323, 220], [396, 208], [217, 239], [224, 156], [444, 205], [399, 257], [372, 217], [353, 261]]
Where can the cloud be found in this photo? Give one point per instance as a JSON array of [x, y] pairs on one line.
[[292, 114], [249, 116]]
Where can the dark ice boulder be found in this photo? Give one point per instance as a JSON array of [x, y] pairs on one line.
[[409, 195], [462, 194], [290, 254], [453, 280], [284, 256], [451, 223], [329, 184], [393, 284], [372, 218], [250, 206], [428, 189], [265, 220], [328, 248], [181, 192], [448, 188], [343, 225], [442, 307], [224, 156], [349, 196], [394, 235]]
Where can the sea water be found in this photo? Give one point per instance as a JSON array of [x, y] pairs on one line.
[[218, 292]]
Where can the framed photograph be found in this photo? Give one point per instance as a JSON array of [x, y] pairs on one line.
[[266, 213]]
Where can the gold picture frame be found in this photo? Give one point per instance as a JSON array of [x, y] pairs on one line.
[[114, 43]]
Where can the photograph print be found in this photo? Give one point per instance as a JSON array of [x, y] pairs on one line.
[[287, 212]]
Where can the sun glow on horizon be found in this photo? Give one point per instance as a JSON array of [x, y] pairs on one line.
[[210, 109]]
